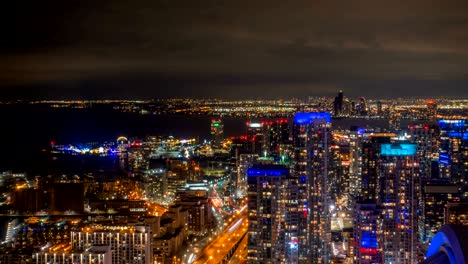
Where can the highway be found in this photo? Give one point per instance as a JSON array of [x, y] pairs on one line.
[[240, 255], [235, 230]]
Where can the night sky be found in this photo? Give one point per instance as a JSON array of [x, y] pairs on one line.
[[91, 49]]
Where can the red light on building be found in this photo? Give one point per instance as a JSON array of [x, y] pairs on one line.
[[371, 251]]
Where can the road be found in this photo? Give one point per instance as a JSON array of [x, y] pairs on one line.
[[235, 229], [240, 255]]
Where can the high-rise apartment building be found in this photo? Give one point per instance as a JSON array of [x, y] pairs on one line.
[[338, 104], [312, 170], [436, 193], [370, 151], [272, 229], [355, 162], [398, 170], [427, 139], [277, 138], [366, 219], [268, 137], [256, 138], [453, 155], [217, 132], [431, 109]]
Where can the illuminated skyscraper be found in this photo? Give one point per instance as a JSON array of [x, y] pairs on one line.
[[436, 193], [431, 109], [362, 108], [338, 104], [268, 138], [311, 169], [370, 151], [366, 217], [397, 189], [340, 166], [379, 108], [243, 163], [217, 132], [256, 138], [427, 139], [453, 156], [355, 162], [277, 138], [271, 232]]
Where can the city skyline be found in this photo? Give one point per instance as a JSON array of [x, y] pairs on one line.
[[207, 181], [238, 50], [241, 132]]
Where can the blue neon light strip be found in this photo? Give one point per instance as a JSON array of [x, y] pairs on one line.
[[264, 172], [398, 150], [458, 135], [309, 117], [451, 123], [444, 158]]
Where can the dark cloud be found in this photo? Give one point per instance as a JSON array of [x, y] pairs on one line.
[[215, 48]]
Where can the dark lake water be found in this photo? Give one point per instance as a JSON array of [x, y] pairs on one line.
[[27, 129]]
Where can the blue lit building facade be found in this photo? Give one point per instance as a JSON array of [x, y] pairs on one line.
[[272, 236], [453, 155], [312, 170], [398, 186]]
